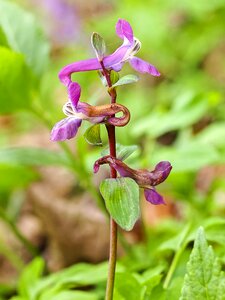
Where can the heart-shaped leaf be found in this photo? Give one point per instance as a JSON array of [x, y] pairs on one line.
[[121, 197], [92, 135]]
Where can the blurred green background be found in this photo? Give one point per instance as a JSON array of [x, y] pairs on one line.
[[179, 117]]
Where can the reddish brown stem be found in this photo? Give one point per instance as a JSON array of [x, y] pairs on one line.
[[106, 73], [113, 174], [113, 225]]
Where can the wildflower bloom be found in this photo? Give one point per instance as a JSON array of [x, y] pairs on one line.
[[125, 53], [77, 111], [144, 178]]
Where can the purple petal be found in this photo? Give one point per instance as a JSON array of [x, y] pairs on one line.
[[143, 66], [115, 60], [80, 66], [110, 62], [164, 167], [160, 173], [65, 129], [124, 30], [74, 93], [145, 178], [117, 67], [153, 197]]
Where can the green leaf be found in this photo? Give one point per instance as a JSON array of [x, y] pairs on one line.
[[158, 293], [204, 276], [123, 152], [114, 77], [196, 155], [31, 157], [68, 295], [14, 81], [173, 292], [93, 135], [127, 287], [30, 275], [24, 35], [3, 40], [221, 288], [212, 134], [215, 228], [126, 80], [175, 243], [183, 114], [15, 176], [151, 278], [121, 197], [78, 275], [71, 277], [99, 45], [6, 289]]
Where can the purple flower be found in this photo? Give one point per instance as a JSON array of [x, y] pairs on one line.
[[77, 111], [60, 19], [125, 53], [144, 178]]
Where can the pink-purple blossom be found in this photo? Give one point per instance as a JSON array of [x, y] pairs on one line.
[[76, 111], [144, 178], [125, 53]]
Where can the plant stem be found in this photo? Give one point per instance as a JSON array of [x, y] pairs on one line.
[[113, 225], [112, 260], [113, 174], [182, 245], [173, 266]]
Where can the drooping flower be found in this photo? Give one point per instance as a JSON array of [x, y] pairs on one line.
[[77, 111], [144, 178], [125, 53]]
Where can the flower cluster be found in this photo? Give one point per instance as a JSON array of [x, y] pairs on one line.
[[144, 178], [77, 111]]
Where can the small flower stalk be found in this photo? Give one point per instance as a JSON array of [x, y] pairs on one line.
[[144, 178], [125, 188]]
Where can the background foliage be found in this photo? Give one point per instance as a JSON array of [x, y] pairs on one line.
[[179, 117]]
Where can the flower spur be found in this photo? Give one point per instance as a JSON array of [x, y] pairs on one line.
[[77, 111]]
